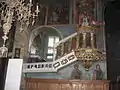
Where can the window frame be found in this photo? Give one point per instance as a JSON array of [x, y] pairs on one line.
[[51, 47]]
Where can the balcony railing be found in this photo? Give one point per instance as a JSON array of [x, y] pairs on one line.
[[66, 45], [39, 67], [50, 66]]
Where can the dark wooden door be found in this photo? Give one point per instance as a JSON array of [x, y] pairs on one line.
[[3, 70]]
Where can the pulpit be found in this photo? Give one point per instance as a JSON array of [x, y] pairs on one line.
[[76, 56], [57, 84]]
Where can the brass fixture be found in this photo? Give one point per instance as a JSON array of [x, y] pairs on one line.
[[89, 53]]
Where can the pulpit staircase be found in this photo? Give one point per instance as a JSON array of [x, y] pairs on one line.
[[81, 46], [65, 55]]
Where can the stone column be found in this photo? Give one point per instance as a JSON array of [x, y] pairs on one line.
[[69, 45], [92, 40], [80, 40], [84, 40], [66, 47], [77, 42], [62, 49], [73, 43]]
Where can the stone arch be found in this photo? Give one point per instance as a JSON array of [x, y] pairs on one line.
[[37, 30]]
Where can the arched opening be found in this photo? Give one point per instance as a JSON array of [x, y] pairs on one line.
[[41, 44]]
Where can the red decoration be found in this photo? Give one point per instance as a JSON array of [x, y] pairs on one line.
[[73, 44]]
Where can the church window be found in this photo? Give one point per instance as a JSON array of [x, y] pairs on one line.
[[52, 40]]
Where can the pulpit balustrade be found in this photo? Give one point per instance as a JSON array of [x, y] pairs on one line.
[[66, 46], [75, 42]]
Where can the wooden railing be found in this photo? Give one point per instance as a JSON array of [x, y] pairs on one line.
[[66, 45], [56, 84], [50, 66]]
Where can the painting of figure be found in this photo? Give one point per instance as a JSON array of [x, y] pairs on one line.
[[98, 73], [76, 73]]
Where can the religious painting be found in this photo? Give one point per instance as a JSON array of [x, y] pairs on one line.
[[76, 71], [58, 13], [83, 6], [97, 73]]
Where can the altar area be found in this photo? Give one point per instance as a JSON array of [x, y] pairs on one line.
[[74, 62], [56, 84], [78, 64], [62, 45]]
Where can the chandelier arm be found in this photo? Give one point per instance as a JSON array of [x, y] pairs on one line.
[[19, 11]]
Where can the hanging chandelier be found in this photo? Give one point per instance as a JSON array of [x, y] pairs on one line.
[[19, 11]]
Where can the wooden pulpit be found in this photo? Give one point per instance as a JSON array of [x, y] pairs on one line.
[[56, 84]]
